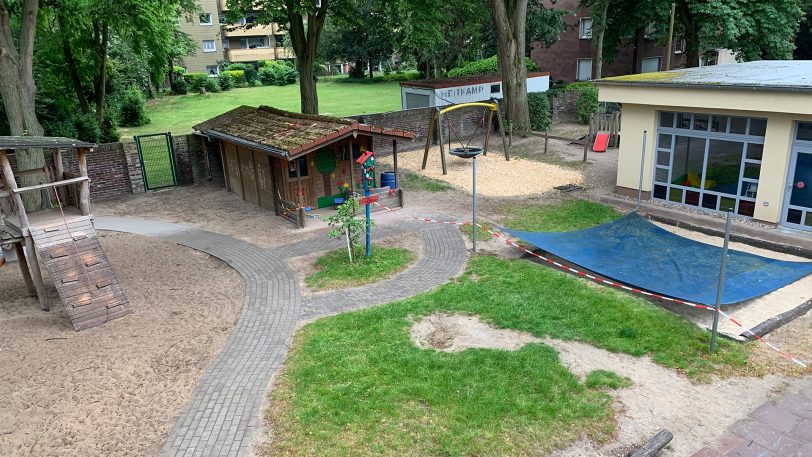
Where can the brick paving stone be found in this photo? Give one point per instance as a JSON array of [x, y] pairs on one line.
[[777, 417], [751, 449], [707, 452], [803, 431], [805, 451], [769, 438], [225, 408]]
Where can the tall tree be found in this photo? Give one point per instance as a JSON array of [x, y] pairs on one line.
[[509, 18], [17, 88], [304, 21]]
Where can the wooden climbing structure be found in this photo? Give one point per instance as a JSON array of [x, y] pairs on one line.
[[60, 232]]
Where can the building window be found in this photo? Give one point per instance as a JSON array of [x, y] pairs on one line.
[[205, 19], [650, 64], [584, 70], [648, 32], [679, 47], [302, 165], [209, 46], [496, 88], [586, 28], [709, 58], [254, 43], [804, 131], [279, 39], [212, 70], [708, 161]]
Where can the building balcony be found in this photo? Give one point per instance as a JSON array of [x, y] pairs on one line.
[[235, 31], [257, 54]]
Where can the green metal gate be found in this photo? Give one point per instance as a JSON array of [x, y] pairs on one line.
[[157, 155]]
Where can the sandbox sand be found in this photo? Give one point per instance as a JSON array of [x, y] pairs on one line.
[[697, 414], [495, 176], [118, 388]]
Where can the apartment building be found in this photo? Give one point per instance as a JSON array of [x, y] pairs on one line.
[[220, 42], [573, 56]]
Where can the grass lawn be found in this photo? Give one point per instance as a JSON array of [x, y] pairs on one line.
[[414, 181], [355, 384], [178, 113], [336, 271]]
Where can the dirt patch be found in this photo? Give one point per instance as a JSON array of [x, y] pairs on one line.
[[305, 265], [456, 333], [116, 389]]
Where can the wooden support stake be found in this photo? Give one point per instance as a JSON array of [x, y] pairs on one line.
[[488, 128], [299, 183], [36, 274], [224, 162], [428, 139], [442, 146], [29, 283], [586, 145], [395, 160], [502, 131], [84, 186], [59, 171], [8, 175], [546, 139]]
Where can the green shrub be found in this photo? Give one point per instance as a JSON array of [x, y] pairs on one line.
[[133, 111], [212, 84], [540, 111], [392, 77], [485, 66], [179, 71], [87, 128], [109, 128], [238, 76], [278, 74], [180, 86], [249, 69], [226, 81], [196, 80], [587, 103]]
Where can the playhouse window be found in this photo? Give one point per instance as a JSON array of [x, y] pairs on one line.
[[302, 163]]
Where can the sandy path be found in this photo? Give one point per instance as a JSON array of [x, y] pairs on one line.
[[114, 389]]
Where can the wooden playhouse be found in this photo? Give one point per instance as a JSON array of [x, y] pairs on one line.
[[295, 163]]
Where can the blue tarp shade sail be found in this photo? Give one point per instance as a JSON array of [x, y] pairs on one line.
[[634, 251]]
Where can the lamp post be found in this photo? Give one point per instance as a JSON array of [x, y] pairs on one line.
[[470, 152]]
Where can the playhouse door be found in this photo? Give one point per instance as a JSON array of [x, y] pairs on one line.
[[798, 209]]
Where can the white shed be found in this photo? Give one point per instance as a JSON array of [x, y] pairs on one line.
[[438, 92]]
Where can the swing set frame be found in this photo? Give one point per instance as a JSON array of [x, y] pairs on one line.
[[437, 123]]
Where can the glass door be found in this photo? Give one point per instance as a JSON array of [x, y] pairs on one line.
[[798, 209]]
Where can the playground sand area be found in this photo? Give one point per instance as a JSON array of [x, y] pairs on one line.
[[116, 389], [496, 177]]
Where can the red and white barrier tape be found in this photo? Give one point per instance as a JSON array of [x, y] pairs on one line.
[[633, 290]]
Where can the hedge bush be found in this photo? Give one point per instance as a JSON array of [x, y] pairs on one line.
[[485, 66], [133, 109], [587, 103], [540, 111], [278, 73], [196, 80], [249, 69], [180, 86], [226, 81], [212, 84], [237, 75], [392, 77]]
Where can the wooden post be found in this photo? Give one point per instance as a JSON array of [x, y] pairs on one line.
[[586, 144], [442, 146], [352, 170], [502, 131], [299, 183], [8, 175], [84, 186], [36, 274], [395, 160], [29, 283], [546, 139], [488, 127], [224, 162], [59, 172], [653, 446], [428, 139]]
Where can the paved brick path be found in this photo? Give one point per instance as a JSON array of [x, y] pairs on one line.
[[775, 429], [225, 409]]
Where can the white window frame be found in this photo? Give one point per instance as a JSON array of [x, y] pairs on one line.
[[581, 28], [216, 71], [211, 20], [578, 69], [213, 46], [247, 45], [679, 47]]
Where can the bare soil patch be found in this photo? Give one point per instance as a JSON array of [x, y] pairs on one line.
[[456, 333], [116, 389]]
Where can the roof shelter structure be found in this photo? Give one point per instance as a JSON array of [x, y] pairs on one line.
[[291, 162], [63, 235]]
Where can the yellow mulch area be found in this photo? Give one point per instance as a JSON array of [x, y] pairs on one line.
[[496, 177]]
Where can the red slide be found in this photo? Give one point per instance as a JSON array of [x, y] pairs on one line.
[[601, 141]]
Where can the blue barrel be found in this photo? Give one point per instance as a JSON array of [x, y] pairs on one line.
[[388, 179]]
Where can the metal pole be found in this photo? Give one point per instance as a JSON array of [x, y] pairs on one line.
[[473, 224], [642, 169], [368, 211], [721, 286]]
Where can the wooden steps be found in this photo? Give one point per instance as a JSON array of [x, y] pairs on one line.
[[83, 276]]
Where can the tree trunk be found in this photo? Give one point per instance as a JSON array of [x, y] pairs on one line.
[[691, 35], [371, 72], [307, 87], [599, 43], [171, 74], [509, 24], [101, 34], [305, 42], [18, 92]]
